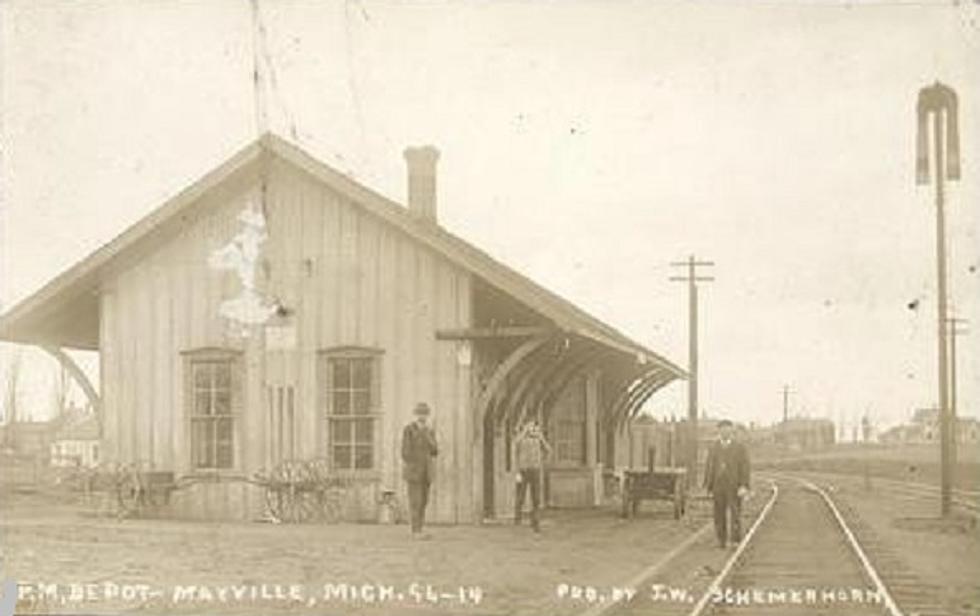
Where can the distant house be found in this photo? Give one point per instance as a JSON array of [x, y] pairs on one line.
[[923, 428], [76, 443], [278, 310], [29, 438]]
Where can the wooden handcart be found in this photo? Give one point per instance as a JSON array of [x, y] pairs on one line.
[[668, 484], [124, 490], [303, 491], [295, 490]]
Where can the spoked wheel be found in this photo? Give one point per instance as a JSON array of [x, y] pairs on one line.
[[288, 494], [129, 491], [330, 504]]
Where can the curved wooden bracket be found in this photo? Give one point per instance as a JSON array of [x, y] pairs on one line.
[[551, 395], [503, 369], [620, 409], [80, 377], [622, 386], [651, 388], [539, 375], [652, 383]]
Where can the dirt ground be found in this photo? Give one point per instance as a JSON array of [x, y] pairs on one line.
[[915, 463], [487, 569]]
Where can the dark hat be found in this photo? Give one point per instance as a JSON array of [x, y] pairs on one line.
[[724, 422], [421, 409]]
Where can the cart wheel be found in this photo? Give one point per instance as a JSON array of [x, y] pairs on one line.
[[330, 505], [288, 492], [129, 492], [273, 504]]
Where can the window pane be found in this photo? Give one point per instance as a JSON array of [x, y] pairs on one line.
[[363, 457], [340, 432], [202, 403], [222, 403], [224, 453], [362, 373], [362, 402], [341, 456], [222, 375], [341, 403], [364, 432], [202, 376], [203, 436], [341, 373]]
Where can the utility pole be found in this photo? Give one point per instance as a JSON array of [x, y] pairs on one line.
[[955, 332], [692, 280], [785, 403], [940, 102]]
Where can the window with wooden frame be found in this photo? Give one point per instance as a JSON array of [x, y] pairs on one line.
[[351, 386], [214, 397], [569, 426]]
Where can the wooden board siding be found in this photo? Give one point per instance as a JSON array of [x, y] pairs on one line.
[[361, 283], [348, 280]]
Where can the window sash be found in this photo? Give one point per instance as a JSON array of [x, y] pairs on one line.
[[351, 442], [351, 389], [570, 440], [212, 416]]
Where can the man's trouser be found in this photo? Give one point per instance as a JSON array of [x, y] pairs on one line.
[[728, 510], [530, 480], [418, 498]]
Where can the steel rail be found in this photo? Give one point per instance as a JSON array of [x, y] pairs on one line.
[[715, 585], [890, 604], [968, 499]]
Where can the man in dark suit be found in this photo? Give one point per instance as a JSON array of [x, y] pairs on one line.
[[726, 477], [418, 449]]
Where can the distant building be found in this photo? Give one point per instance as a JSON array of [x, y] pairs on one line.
[[29, 438], [804, 434], [77, 442], [923, 428]]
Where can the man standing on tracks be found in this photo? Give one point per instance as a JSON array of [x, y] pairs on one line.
[[418, 450], [530, 449], [726, 477]]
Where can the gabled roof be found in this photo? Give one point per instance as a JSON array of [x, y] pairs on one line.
[[65, 311]]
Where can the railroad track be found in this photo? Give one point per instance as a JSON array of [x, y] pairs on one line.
[[804, 554], [966, 500], [800, 556]]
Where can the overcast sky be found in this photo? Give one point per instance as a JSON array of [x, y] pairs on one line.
[[586, 144]]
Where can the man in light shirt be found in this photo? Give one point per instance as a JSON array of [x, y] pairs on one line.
[[530, 449]]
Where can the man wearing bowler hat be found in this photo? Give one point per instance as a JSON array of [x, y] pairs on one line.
[[726, 477], [418, 450]]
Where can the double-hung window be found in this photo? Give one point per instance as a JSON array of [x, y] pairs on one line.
[[214, 397], [351, 385]]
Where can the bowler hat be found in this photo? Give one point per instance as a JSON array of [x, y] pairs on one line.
[[421, 409]]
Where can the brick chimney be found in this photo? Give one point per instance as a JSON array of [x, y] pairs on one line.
[[422, 181]]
